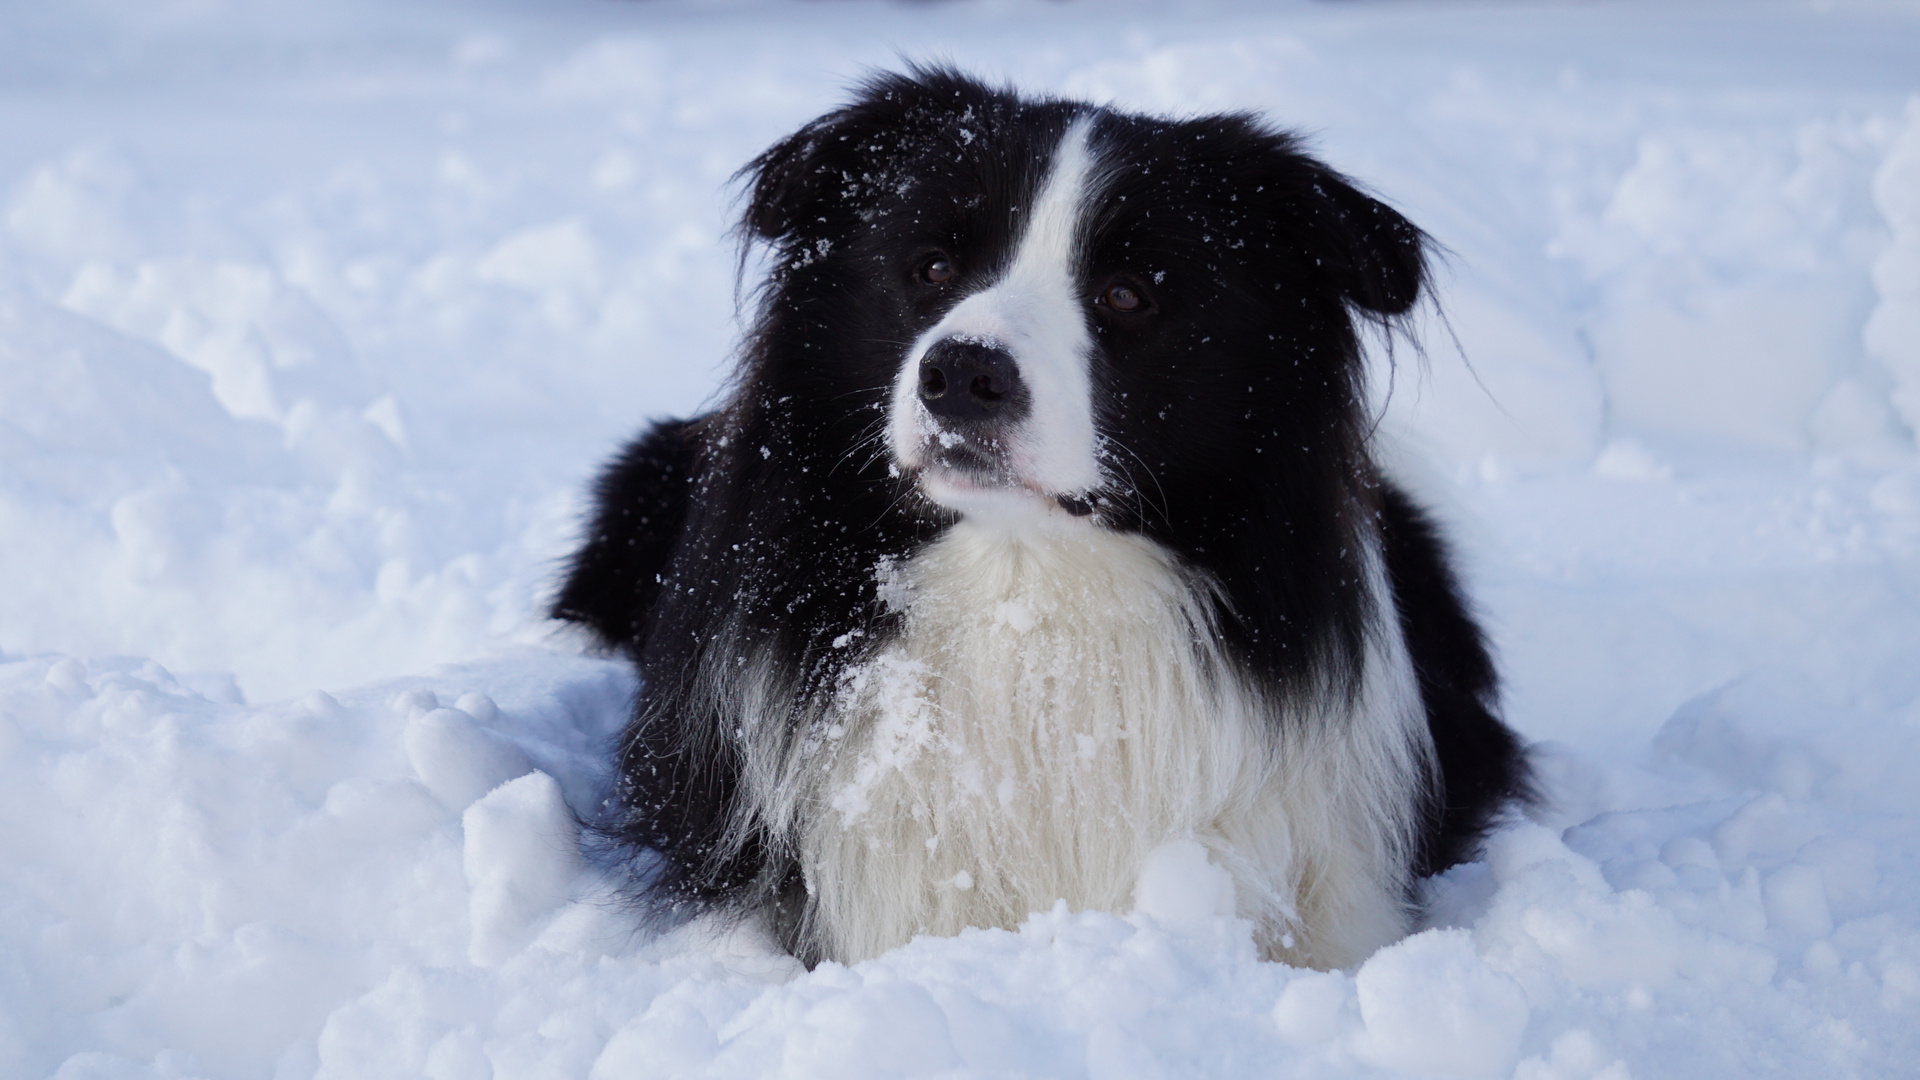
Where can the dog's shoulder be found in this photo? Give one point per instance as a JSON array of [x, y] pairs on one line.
[[640, 511], [1482, 763]]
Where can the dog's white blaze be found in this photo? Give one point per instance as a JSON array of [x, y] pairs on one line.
[[1056, 708], [1034, 311]]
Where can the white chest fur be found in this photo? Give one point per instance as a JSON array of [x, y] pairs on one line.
[[1054, 710]]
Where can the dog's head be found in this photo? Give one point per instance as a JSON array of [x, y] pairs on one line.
[[1061, 305]]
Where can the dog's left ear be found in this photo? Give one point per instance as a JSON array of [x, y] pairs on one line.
[[1376, 257]]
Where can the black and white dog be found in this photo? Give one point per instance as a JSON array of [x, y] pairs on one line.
[[1040, 528]]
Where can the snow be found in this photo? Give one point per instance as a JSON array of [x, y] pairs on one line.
[[316, 319]]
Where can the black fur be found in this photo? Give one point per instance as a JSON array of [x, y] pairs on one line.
[[1482, 764], [1238, 409]]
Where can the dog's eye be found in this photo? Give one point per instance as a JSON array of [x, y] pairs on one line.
[[1121, 296], [936, 271]]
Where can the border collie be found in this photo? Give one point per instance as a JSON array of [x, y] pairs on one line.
[[1040, 528]]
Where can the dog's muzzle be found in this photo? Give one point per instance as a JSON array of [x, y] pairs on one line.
[[972, 392]]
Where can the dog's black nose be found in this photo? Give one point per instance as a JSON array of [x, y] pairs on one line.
[[967, 380]]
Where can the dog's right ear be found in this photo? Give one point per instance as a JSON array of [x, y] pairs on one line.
[[840, 161], [793, 176], [826, 166]]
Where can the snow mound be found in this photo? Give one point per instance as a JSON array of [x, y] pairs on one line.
[[201, 888]]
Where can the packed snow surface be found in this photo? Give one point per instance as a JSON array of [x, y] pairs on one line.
[[315, 319]]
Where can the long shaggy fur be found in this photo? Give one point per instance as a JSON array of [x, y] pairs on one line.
[[907, 669]]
